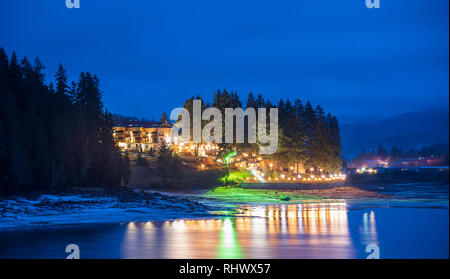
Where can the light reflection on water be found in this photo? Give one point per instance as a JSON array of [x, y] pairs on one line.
[[319, 230], [316, 230]]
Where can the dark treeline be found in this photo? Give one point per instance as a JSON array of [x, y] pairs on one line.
[[132, 119], [54, 137], [307, 134], [395, 153]]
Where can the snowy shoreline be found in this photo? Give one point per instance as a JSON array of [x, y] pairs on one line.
[[97, 206]]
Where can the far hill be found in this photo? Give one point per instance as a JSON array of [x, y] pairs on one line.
[[408, 130]]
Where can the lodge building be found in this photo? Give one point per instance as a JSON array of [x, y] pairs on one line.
[[141, 136]]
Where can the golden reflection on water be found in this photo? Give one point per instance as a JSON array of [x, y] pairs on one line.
[[317, 230], [368, 230]]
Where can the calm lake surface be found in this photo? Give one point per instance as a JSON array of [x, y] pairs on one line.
[[316, 230]]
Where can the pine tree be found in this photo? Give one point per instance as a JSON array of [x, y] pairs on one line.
[[307, 136], [61, 80], [381, 152], [164, 117], [395, 153], [251, 101], [164, 163], [53, 138]]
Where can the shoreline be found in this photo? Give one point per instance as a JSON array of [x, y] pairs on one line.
[[107, 206], [97, 206]]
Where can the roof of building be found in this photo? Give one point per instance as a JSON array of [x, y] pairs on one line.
[[143, 124]]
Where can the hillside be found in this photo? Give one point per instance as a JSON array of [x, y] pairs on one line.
[[408, 130]]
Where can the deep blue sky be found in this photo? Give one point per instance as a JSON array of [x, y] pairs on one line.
[[152, 55]]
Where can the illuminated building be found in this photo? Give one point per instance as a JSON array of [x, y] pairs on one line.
[[147, 136], [141, 136]]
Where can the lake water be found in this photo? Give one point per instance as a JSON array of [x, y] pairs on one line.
[[334, 229]]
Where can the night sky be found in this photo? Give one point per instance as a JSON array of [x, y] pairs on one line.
[[152, 55]]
